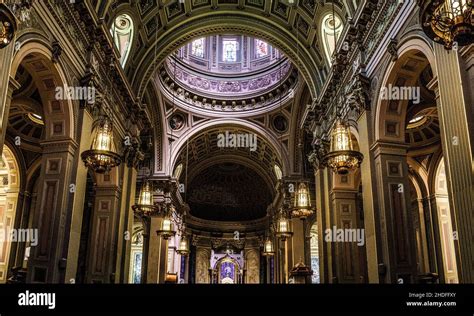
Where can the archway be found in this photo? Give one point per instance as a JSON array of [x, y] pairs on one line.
[[235, 23], [447, 236], [407, 140], [41, 124], [228, 270], [9, 189], [135, 275], [36, 58], [236, 127]]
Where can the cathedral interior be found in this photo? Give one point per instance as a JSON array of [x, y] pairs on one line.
[[236, 141]]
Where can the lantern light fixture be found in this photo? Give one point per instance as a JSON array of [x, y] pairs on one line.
[[145, 205], [268, 249], [302, 207], [167, 230], [283, 226], [183, 247], [7, 26], [101, 157], [342, 157], [448, 22]]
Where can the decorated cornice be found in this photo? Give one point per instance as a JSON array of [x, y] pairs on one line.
[[223, 86], [198, 224], [262, 92]]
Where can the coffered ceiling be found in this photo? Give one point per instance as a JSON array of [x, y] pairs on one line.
[[164, 26]]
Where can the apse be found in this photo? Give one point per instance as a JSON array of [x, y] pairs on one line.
[[229, 192]]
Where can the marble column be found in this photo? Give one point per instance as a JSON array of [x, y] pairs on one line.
[[346, 252], [324, 221], [466, 61], [8, 213], [283, 255], [455, 116], [369, 197], [5, 108], [126, 220], [397, 241], [436, 238], [85, 120], [103, 242], [432, 239], [21, 221], [157, 253], [297, 253], [7, 83], [46, 263], [163, 263], [146, 222]]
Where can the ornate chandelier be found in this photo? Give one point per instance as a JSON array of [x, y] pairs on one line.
[[167, 226], [342, 157], [302, 207], [183, 247], [7, 26], [145, 205], [283, 226], [101, 158], [448, 21], [268, 249]]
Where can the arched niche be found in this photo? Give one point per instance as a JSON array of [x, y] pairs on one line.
[[36, 57], [390, 114], [9, 190], [446, 228]]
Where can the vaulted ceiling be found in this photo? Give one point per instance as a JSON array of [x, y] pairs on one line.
[[230, 184], [203, 151], [164, 26], [229, 192]]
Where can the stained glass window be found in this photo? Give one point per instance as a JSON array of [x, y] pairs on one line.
[[230, 48], [122, 32], [261, 48], [137, 267], [329, 25], [197, 48], [314, 254]]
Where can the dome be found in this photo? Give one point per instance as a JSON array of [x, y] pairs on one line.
[[228, 73]]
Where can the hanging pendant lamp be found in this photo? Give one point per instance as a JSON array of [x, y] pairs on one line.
[[268, 249], [283, 226], [302, 208], [448, 21], [342, 158], [145, 205], [7, 26], [167, 229], [183, 247], [101, 158]]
